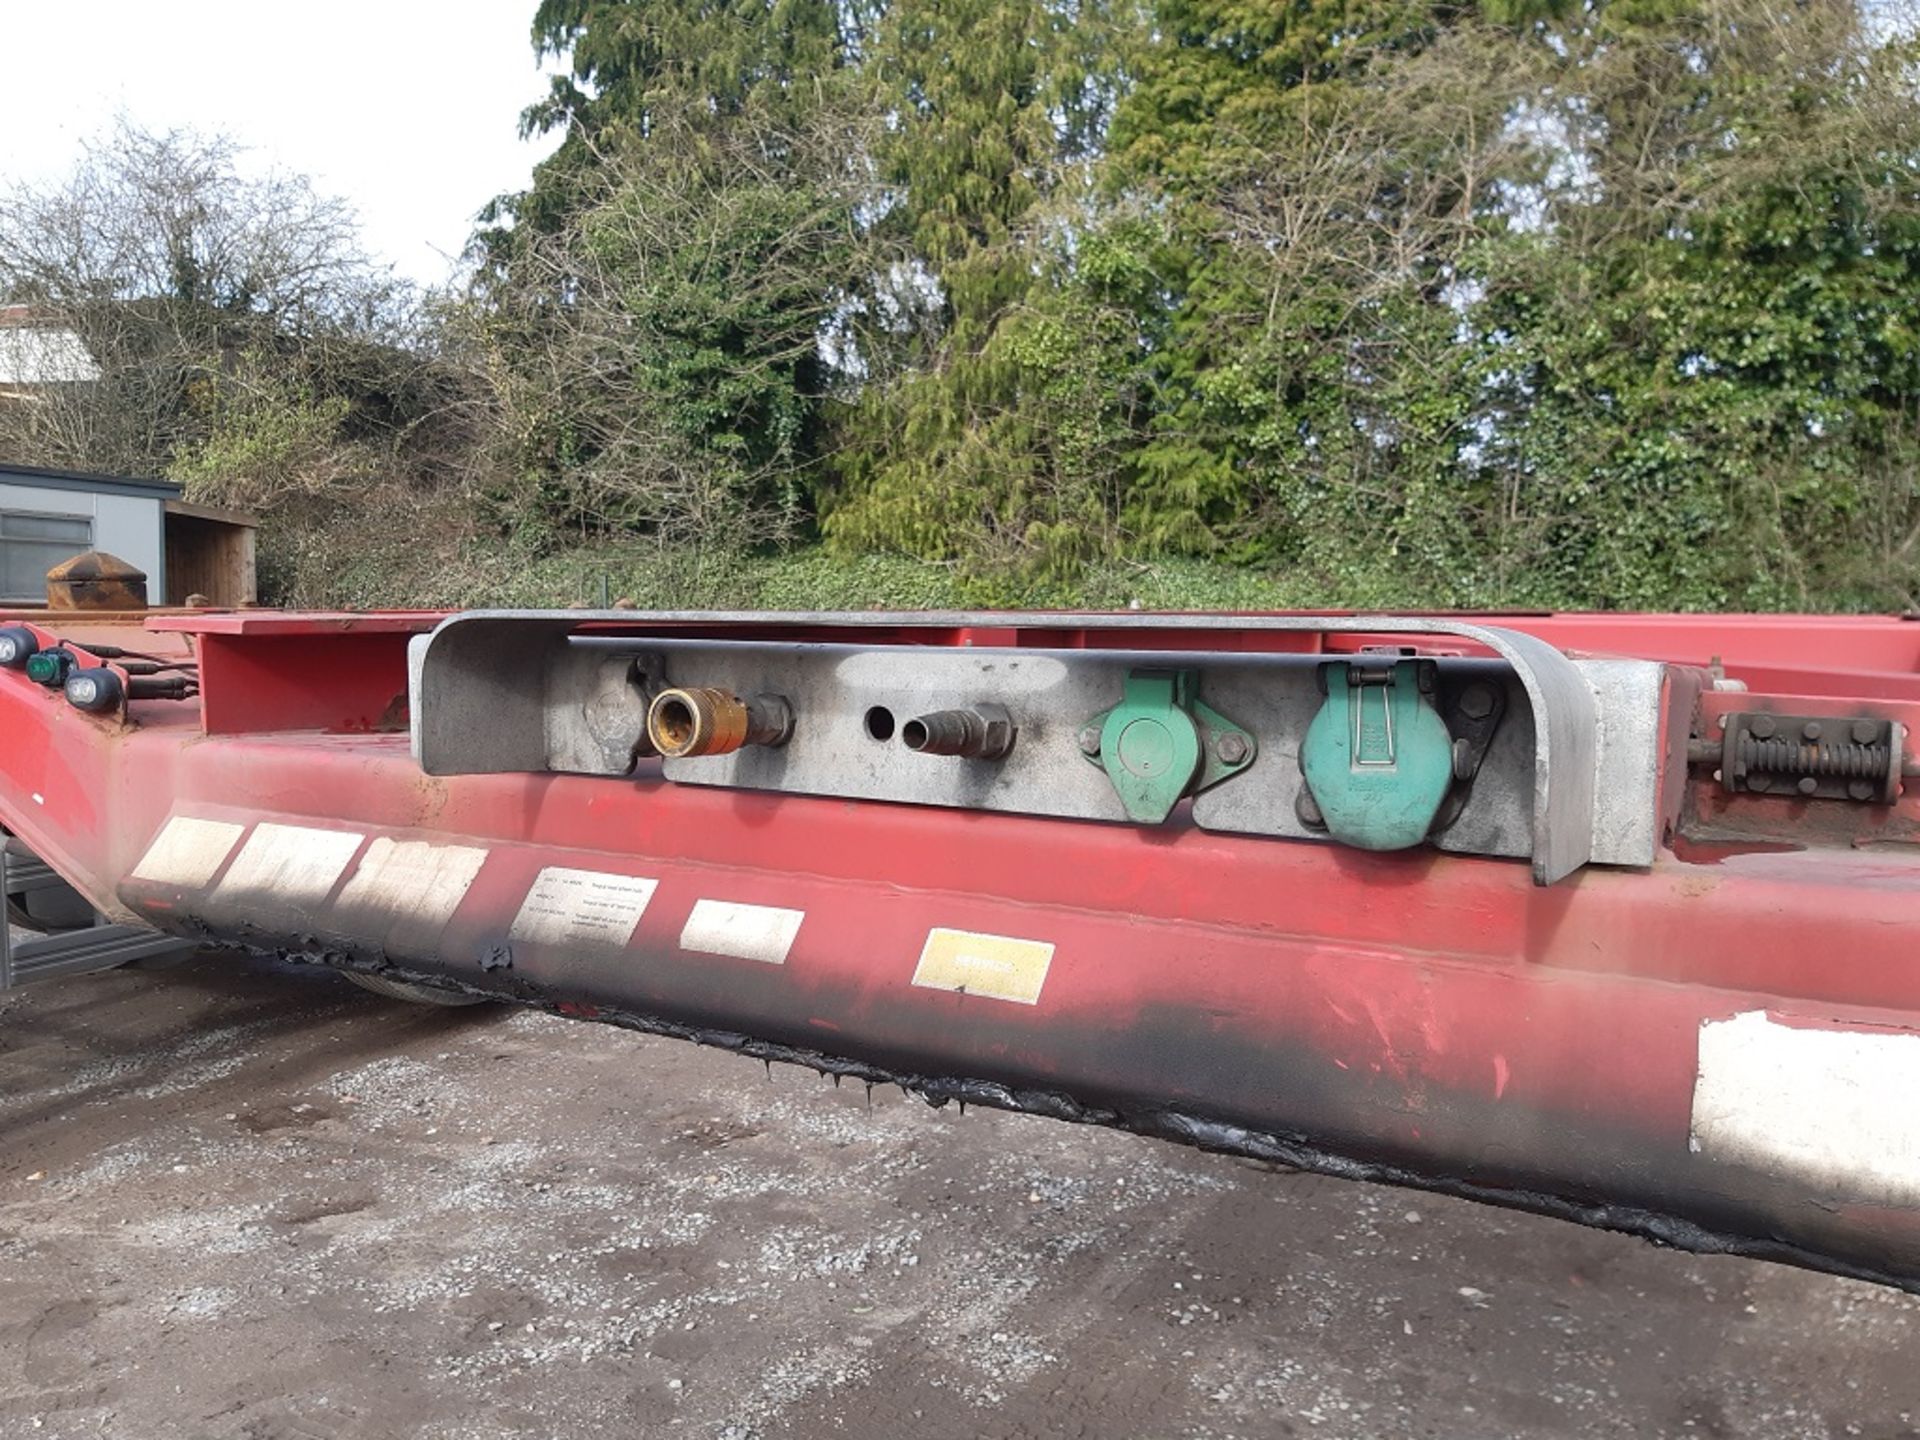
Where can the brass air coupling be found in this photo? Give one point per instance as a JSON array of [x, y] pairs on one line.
[[691, 720]]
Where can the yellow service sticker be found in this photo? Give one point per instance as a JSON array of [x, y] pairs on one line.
[[997, 966]]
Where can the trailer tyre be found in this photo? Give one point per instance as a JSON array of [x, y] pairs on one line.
[[49, 911], [411, 993]]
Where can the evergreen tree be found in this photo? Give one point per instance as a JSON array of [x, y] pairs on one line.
[[987, 433]]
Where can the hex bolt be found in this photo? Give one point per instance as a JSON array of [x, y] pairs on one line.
[[1811, 730], [1865, 732], [1476, 702], [1232, 749], [1090, 740], [1760, 725]]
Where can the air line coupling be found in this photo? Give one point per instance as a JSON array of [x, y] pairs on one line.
[[692, 720], [984, 732]]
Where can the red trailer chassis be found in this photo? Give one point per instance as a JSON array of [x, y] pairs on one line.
[[1718, 1049]]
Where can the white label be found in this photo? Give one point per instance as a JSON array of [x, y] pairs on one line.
[[752, 932], [404, 892], [1832, 1108], [582, 907], [188, 852], [288, 865]]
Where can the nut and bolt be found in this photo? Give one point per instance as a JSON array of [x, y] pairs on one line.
[[1232, 749], [1090, 740], [1476, 702], [1865, 732]]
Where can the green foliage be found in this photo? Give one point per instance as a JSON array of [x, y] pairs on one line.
[[628, 59], [993, 431], [1620, 319], [1004, 461], [633, 64], [1185, 302], [263, 439], [1716, 371], [656, 356], [417, 554], [1218, 80]]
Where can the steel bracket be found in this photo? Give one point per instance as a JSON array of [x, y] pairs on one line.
[[501, 691]]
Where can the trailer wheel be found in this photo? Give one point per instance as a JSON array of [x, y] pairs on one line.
[[411, 993], [49, 911]]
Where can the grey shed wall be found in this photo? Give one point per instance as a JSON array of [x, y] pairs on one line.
[[130, 525]]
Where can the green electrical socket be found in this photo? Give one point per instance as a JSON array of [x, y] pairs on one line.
[[1161, 743], [1378, 758]]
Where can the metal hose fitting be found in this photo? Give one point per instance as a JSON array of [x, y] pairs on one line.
[[984, 732], [696, 720]]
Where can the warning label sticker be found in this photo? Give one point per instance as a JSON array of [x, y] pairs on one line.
[[997, 966], [582, 908]]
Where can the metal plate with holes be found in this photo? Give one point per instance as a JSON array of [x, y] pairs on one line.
[[532, 691]]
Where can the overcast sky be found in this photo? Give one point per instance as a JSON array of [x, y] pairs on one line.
[[407, 108]]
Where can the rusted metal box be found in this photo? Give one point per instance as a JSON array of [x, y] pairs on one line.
[[96, 581]]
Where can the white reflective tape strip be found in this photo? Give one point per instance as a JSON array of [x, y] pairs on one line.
[[188, 852], [582, 907], [288, 865], [404, 892], [998, 966], [752, 932], [1831, 1108]]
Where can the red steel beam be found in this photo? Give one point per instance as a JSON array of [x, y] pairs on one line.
[[1433, 1019]]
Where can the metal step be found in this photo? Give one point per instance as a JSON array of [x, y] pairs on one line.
[[25, 871], [26, 957]]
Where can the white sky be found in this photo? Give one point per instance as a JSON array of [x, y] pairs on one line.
[[409, 109]]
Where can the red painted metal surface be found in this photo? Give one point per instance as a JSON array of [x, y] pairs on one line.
[[1432, 1018]]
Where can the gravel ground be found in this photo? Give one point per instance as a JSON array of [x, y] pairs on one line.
[[246, 1201]]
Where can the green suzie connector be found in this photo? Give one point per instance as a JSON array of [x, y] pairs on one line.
[[1378, 758], [1160, 743]]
